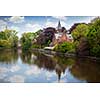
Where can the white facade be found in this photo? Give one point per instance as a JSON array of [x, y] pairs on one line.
[[58, 35]]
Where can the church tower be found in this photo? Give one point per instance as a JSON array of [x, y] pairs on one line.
[[59, 27]]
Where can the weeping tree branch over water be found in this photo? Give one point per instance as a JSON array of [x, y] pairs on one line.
[[8, 39]]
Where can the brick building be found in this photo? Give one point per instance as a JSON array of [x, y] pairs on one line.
[[61, 35]]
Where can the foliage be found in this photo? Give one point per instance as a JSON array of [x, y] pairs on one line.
[[91, 33], [5, 44], [8, 56], [80, 31], [94, 37], [27, 39], [46, 36], [65, 47], [8, 39], [36, 46]]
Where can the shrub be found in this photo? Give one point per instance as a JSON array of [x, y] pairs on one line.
[[35, 46], [65, 47]]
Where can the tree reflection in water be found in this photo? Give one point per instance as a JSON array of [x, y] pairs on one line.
[[73, 69], [82, 69], [48, 62], [86, 69], [8, 56]]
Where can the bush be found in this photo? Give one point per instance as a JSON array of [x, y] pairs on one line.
[[36, 46], [65, 47]]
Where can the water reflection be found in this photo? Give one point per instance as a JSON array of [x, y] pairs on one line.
[[86, 69], [40, 67], [8, 56], [48, 62]]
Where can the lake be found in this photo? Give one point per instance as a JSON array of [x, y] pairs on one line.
[[39, 67]]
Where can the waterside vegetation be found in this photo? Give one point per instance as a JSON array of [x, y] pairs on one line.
[[86, 39]]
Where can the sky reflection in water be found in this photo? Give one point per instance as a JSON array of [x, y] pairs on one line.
[[37, 67]]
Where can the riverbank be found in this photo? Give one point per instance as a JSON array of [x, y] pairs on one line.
[[50, 52]]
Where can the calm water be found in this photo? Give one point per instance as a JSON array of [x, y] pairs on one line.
[[36, 67]]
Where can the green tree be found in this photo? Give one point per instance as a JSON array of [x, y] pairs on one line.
[[8, 39], [94, 37], [27, 39], [80, 31]]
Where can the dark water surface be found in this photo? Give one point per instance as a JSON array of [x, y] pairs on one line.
[[36, 67]]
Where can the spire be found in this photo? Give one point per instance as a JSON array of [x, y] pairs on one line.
[[59, 25]]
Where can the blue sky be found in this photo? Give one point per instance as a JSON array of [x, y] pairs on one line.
[[33, 23]]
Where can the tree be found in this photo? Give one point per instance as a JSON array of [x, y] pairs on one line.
[[27, 39], [87, 38], [78, 33], [45, 37], [94, 37], [8, 39], [83, 48]]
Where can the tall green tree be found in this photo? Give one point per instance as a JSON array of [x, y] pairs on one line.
[[79, 32], [27, 39], [94, 37]]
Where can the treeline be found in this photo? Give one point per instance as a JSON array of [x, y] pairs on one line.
[[87, 38]]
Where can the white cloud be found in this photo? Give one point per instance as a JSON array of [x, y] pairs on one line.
[[54, 24], [15, 28], [17, 79], [16, 19], [32, 27], [86, 20], [63, 24], [3, 24], [60, 17], [50, 24]]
